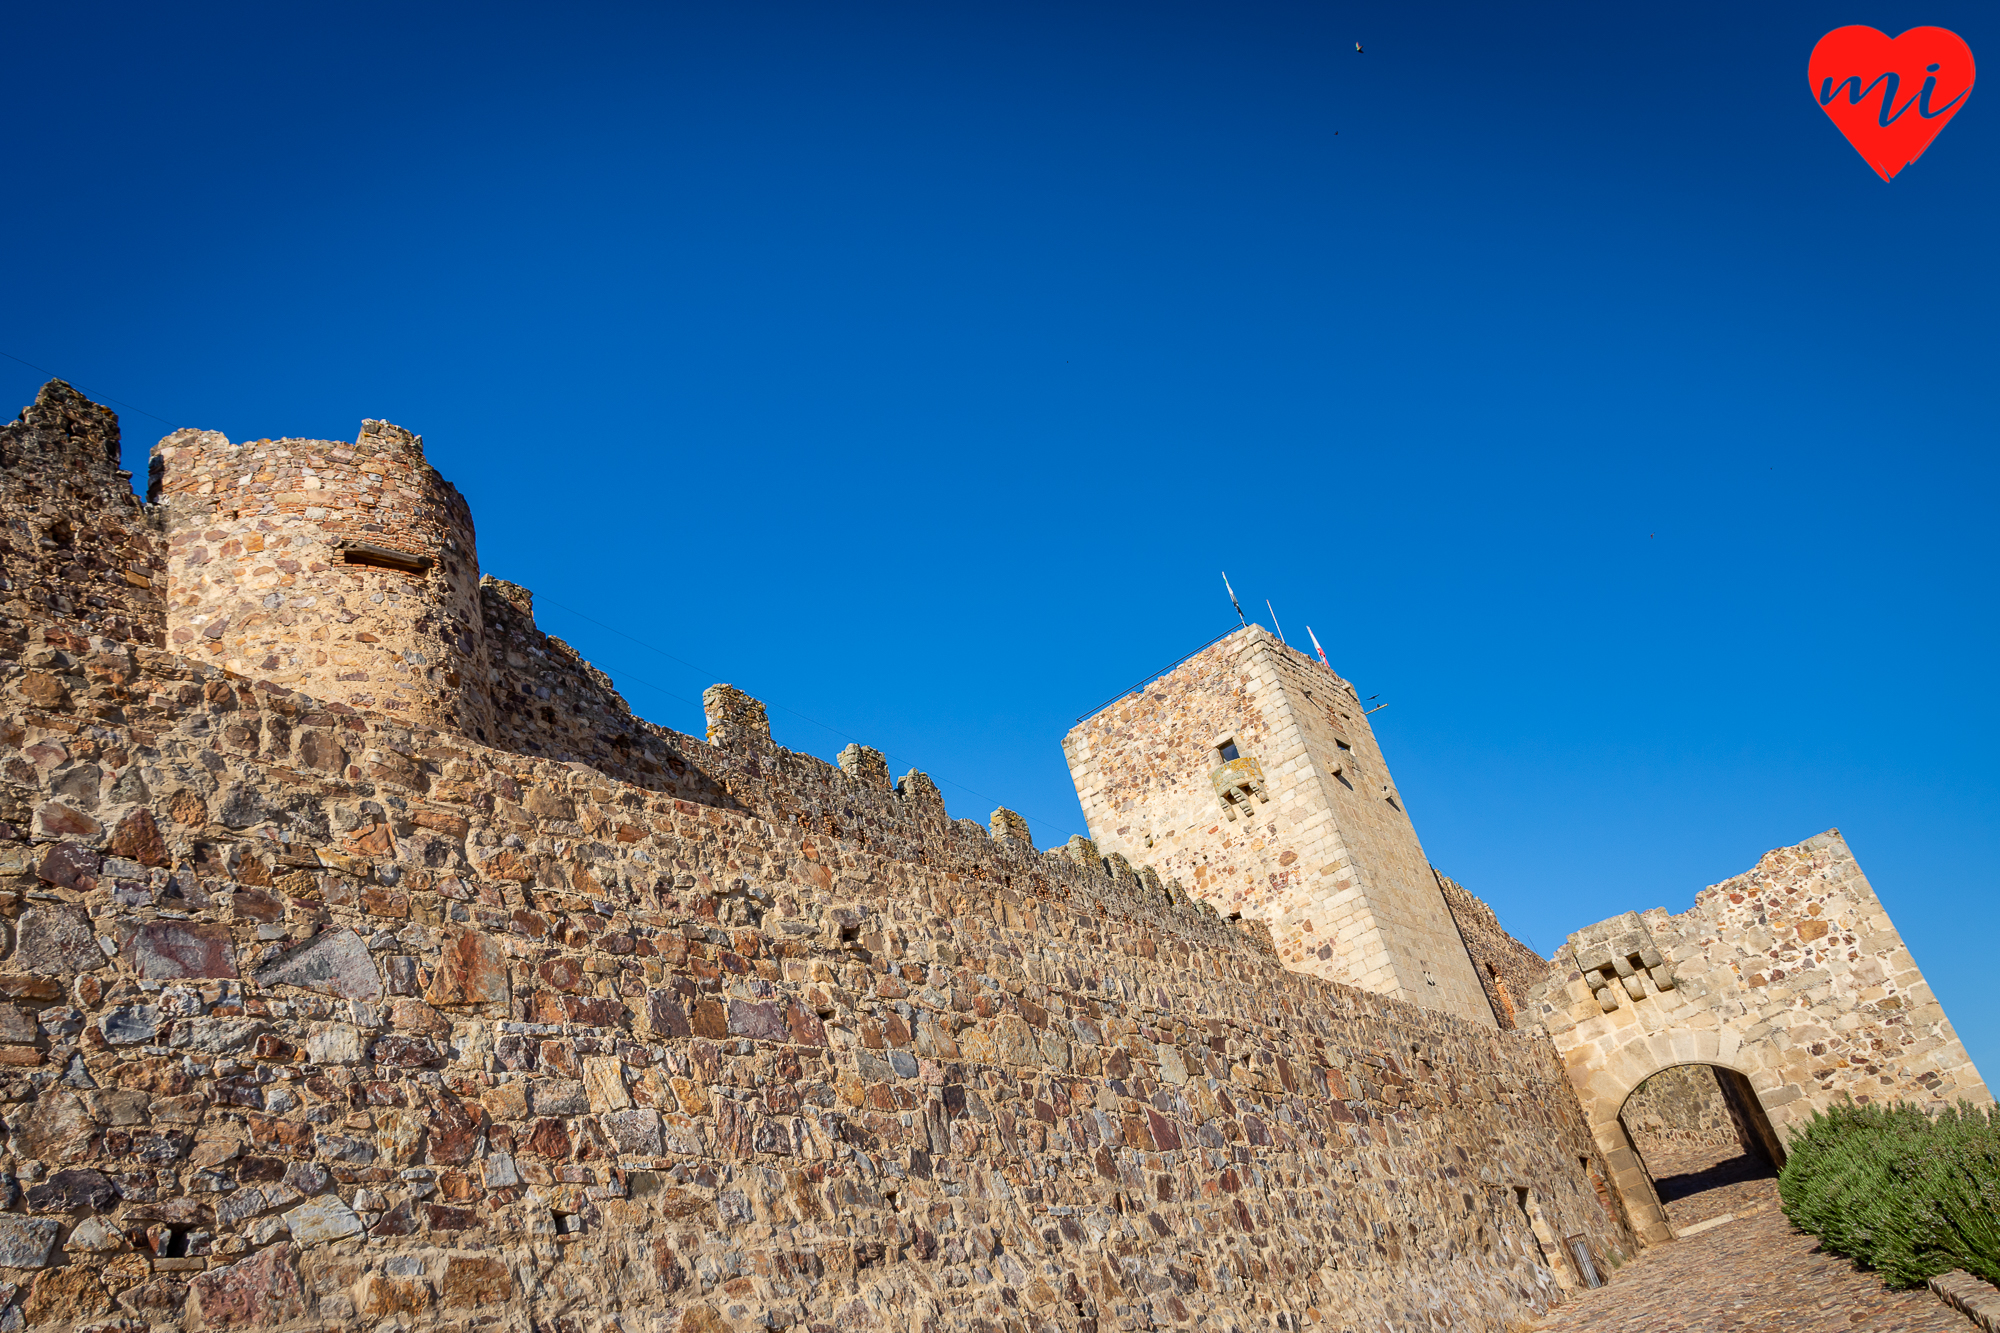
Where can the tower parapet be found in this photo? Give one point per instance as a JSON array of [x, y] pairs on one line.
[[348, 571]]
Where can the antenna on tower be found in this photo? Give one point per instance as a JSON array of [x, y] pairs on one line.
[[1316, 648], [1274, 619], [1232, 598]]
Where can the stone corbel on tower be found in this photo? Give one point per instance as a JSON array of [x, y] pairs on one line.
[[1618, 958], [1237, 783]]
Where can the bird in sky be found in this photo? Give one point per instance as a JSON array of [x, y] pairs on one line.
[[1357, 48]]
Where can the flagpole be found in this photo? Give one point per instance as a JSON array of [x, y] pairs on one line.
[[1232, 598]]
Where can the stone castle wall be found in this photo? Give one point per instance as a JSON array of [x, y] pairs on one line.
[[1323, 851], [283, 555], [314, 1018], [1791, 975], [1507, 969], [82, 559]]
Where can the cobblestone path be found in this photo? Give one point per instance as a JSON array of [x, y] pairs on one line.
[[1750, 1275]]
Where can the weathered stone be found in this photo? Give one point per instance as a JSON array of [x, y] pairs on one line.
[[177, 950], [475, 1280], [94, 1235], [65, 1295], [130, 1024], [636, 1133], [558, 1096], [72, 1191], [18, 1026], [334, 1044], [455, 1131], [56, 940], [382, 1295], [400, 1134], [156, 1301], [216, 1036], [326, 1218], [59, 819], [604, 1083], [70, 865], [256, 905], [666, 1016], [137, 838], [333, 962], [15, 986], [27, 1242], [259, 1292], [761, 1022], [470, 971], [56, 1127], [44, 691], [405, 1052]]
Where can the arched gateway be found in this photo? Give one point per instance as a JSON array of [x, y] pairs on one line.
[[1790, 978]]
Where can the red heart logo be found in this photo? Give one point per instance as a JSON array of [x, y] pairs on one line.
[[1890, 96]]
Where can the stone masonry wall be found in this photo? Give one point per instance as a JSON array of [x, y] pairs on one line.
[[81, 557], [1677, 1110], [1324, 852], [311, 1019], [1507, 968], [548, 701], [262, 585], [1792, 975]]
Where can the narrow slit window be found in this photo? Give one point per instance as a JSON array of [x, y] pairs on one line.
[[371, 556]]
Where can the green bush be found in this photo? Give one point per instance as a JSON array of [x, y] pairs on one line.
[[1908, 1194]]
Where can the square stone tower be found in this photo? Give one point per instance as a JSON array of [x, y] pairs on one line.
[[1250, 774]]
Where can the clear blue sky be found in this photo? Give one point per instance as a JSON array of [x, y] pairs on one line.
[[916, 367]]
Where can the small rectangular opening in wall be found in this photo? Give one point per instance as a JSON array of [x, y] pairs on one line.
[[382, 557], [1228, 751]]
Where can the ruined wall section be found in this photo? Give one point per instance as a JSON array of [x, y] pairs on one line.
[[479, 1036], [1507, 968], [1321, 850], [1792, 975], [80, 556], [549, 702], [297, 562]]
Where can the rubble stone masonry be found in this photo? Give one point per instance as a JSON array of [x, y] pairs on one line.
[[297, 561], [1507, 969], [318, 1011]]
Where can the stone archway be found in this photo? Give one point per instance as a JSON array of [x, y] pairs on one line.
[[1791, 976], [1635, 1175]]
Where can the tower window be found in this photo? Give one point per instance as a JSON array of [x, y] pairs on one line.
[[382, 557], [1227, 750]]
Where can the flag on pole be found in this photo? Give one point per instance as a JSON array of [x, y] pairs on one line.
[[1232, 597], [1316, 648]]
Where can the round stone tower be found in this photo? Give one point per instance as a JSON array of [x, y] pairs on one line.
[[346, 571]]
